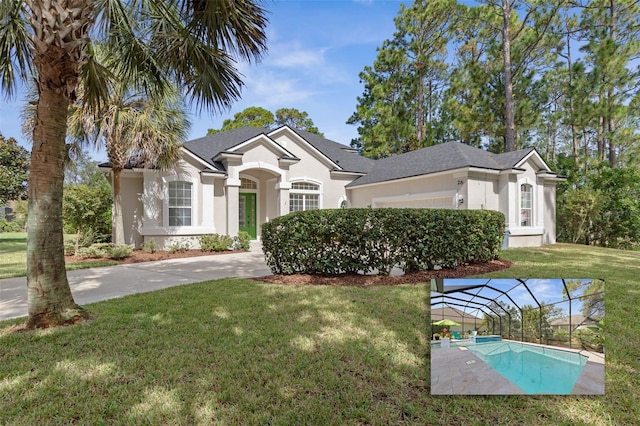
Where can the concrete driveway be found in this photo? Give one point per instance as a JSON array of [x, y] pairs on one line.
[[94, 285]]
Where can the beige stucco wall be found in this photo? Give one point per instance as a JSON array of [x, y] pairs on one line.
[[131, 190], [410, 192], [482, 191], [204, 215], [525, 241], [549, 236], [315, 168]]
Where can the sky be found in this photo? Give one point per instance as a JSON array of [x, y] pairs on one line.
[[316, 49], [547, 291]]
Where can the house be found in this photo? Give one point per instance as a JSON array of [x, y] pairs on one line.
[[576, 322], [467, 321], [237, 180]]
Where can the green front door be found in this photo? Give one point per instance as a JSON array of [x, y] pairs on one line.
[[247, 214]]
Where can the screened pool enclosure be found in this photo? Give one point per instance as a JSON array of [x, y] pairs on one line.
[[560, 312]]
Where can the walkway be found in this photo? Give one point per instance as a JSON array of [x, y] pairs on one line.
[[97, 284]]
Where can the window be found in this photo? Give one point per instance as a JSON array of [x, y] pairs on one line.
[[526, 204], [304, 196], [180, 203], [247, 184]]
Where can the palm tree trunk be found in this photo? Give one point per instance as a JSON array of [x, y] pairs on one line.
[[49, 297], [117, 224], [58, 57]]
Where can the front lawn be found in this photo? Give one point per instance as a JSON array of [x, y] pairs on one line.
[[236, 351], [13, 255], [229, 352]]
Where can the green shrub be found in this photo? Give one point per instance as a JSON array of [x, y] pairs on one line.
[[242, 241], [120, 251], [590, 338], [376, 240], [215, 242], [106, 250], [149, 246], [69, 249], [6, 226], [180, 246]]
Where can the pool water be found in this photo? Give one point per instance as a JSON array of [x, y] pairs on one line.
[[534, 369]]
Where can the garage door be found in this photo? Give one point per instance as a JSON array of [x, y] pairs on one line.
[[431, 203]]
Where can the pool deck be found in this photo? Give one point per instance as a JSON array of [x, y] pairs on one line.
[[458, 371]]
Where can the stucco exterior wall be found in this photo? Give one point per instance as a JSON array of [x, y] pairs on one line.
[[549, 236], [525, 241], [155, 223], [483, 192], [131, 188], [411, 192], [314, 168]]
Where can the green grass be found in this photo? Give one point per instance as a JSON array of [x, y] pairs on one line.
[[239, 352], [230, 351], [13, 255]]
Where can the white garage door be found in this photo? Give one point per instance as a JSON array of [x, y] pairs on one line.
[[431, 203]]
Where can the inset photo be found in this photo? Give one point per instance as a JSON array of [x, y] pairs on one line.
[[517, 336]]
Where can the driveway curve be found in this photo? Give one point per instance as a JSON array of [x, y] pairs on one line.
[[109, 282]]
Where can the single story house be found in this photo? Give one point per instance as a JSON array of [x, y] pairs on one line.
[[467, 321], [237, 180], [577, 322]]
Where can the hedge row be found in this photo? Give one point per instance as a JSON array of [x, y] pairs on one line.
[[367, 240]]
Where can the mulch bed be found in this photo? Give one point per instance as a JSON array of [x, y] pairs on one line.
[[359, 280], [139, 256], [335, 280]]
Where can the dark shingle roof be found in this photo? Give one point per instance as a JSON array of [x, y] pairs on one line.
[[211, 145], [438, 158], [340, 154]]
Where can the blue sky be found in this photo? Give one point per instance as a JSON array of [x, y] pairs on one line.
[[316, 49]]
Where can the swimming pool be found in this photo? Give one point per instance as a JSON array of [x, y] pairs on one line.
[[534, 369]]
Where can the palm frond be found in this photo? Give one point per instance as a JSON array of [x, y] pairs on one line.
[[15, 45], [236, 26], [158, 43]]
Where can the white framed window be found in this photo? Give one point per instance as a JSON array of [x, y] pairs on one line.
[[526, 204], [303, 196], [180, 203], [246, 183]]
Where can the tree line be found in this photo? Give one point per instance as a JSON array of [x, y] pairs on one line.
[[561, 76], [506, 74]]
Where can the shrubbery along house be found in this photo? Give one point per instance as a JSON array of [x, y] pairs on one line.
[[237, 180]]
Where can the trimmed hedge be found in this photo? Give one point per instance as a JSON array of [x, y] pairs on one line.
[[340, 241]]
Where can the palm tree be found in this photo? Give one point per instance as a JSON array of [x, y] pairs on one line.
[[153, 44], [135, 129]]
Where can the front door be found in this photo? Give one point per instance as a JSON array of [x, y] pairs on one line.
[[247, 214]]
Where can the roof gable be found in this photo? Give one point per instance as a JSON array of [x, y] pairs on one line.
[[440, 158], [340, 157]]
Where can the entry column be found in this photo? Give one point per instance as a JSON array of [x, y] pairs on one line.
[[233, 199], [283, 195]]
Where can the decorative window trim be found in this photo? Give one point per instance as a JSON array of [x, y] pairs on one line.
[[165, 202], [253, 182], [532, 200], [305, 193], [343, 203]]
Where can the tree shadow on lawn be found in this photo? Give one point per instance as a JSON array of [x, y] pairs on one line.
[[229, 351]]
